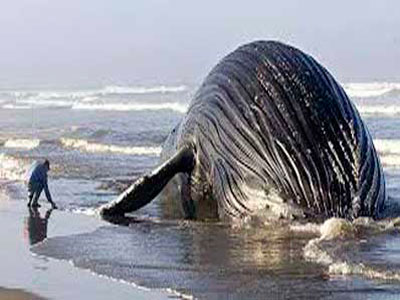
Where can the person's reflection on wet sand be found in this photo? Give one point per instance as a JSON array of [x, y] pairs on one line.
[[36, 226]]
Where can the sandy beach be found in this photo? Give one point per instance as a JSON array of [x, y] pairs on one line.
[[28, 276], [15, 294]]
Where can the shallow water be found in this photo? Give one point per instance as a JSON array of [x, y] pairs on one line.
[[113, 137]]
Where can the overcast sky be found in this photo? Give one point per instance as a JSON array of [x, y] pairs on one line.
[[95, 42]]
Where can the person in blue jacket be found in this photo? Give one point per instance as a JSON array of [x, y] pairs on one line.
[[37, 181]]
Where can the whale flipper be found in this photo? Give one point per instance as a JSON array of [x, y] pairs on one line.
[[147, 187]]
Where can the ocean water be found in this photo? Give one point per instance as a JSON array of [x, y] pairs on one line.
[[99, 140]]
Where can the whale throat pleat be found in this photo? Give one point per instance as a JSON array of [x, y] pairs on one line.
[[268, 128], [277, 117]]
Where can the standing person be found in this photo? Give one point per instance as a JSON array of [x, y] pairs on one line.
[[37, 181]]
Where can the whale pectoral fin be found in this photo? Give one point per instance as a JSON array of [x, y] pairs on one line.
[[147, 187]]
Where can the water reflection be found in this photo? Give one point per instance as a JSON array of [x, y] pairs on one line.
[[36, 225], [204, 259], [208, 260]]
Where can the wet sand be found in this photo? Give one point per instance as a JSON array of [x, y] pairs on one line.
[[27, 276], [14, 294]]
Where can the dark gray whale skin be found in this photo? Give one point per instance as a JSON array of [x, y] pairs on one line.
[[268, 127]]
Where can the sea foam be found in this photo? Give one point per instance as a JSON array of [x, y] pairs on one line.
[[389, 151], [112, 97], [370, 89], [383, 109], [12, 168], [102, 91], [22, 143], [390, 160], [45, 103], [336, 237], [386, 146], [16, 106], [114, 89], [174, 106], [86, 146]]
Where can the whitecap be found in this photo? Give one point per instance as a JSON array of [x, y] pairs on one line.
[[389, 110], [45, 103], [16, 106], [12, 168], [390, 160], [22, 143], [370, 89], [329, 248], [389, 151], [86, 146], [174, 106], [115, 89]]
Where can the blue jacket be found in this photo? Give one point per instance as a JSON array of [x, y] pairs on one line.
[[37, 178]]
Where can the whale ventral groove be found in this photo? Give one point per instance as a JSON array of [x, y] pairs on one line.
[[269, 130]]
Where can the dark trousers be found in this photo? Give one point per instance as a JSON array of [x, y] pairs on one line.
[[34, 191]]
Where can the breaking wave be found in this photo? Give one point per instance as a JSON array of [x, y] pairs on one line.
[[114, 97], [16, 106], [390, 160], [107, 90], [118, 98], [86, 146], [371, 89], [335, 246], [143, 90], [345, 268], [389, 151], [387, 146], [44, 103], [22, 143], [89, 104], [389, 110], [174, 106], [12, 168]]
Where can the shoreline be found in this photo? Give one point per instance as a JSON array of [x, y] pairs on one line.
[[29, 276], [16, 294]]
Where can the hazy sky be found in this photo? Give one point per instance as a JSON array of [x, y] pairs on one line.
[[95, 42]]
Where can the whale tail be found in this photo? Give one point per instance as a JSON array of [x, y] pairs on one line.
[[147, 187]]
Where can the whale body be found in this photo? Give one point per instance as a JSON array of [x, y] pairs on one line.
[[269, 128]]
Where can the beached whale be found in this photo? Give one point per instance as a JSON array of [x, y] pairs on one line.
[[269, 130]]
